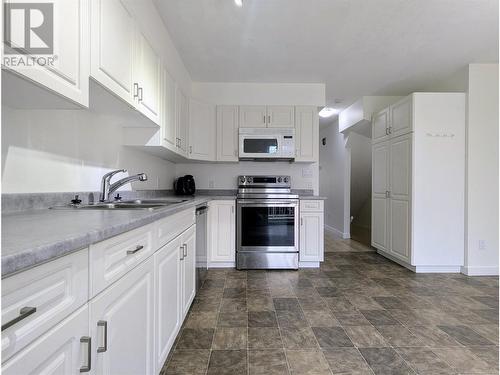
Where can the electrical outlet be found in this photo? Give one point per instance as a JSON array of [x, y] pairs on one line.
[[482, 245], [211, 184], [307, 173]]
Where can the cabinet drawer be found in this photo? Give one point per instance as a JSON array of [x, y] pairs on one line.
[[171, 226], [55, 289], [114, 257], [311, 205]]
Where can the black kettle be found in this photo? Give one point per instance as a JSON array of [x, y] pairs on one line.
[[184, 185]]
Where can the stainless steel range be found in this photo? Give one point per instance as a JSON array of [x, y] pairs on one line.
[[267, 223]]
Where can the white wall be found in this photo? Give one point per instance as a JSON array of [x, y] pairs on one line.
[[481, 258], [223, 175], [70, 150], [260, 93], [332, 160], [361, 178]]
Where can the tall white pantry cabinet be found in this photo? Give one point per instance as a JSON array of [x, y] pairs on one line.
[[418, 179]]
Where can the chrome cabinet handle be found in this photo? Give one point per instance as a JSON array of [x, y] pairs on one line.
[[390, 129], [88, 341], [137, 248], [23, 314], [386, 131], [139, 94], [264, 119], [136, 89], [182, 251], [301, 221], [190, 149], [268, 119], [104, 324], [185, 250]]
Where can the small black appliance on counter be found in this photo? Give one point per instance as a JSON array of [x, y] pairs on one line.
[[185, 185]]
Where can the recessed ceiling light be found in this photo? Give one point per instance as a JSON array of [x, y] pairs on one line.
[[238, 3], [328, 112]]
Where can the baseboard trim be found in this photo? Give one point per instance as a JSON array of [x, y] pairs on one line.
[[221, 265], [396, 260], [308, 264], [480, 271], [421, 269], [337, 232], [437, 269]]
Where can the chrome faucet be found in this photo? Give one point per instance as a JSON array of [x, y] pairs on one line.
[[107, 188]]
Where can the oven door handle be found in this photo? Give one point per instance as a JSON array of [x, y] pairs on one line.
[[264, 202]]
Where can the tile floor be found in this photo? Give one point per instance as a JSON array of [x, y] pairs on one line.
[[358, 314]]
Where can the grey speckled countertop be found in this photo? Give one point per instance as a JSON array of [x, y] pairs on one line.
[[33, 237]]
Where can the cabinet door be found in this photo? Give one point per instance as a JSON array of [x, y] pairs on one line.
[[168, 292], [306, 133], [281, 116], [253, 116], [380, 191], [400, 167], [188, 264], [227, 133], [201, 130], [221, 235], [380, 168], [61, 350], [112, 43], [401, 117], [400, 229], [380, 126], [121, 322], [311, 236], [400, 196], [380, 217], [147, 78], [67, 71], [167, 112], [182, 121]]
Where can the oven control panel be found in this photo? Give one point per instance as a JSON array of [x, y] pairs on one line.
[[264, 181]]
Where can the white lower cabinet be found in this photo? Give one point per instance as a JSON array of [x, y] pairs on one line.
[[221, 233], [168, 296], [188, 269], [311, 248], [122, 326], [64, 349]]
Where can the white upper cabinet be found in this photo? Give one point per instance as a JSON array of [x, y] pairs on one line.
[[147, 79], [306, 133], [227, 133], [253, 116], [113, 38], [167, 111], [280, 116], [380, 130], [201, 130], [393, 121], [68, 75], [182, 121], [401, 121], [261, 116]]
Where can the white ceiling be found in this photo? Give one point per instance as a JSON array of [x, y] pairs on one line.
[[356, 47]]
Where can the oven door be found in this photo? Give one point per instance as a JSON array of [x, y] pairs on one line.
[[267, 225], [260, 146]]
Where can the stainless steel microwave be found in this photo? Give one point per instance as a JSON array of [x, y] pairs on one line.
[[266, 143]]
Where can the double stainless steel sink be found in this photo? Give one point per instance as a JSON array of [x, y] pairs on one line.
[[137, 204]]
